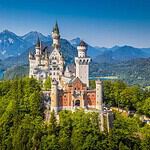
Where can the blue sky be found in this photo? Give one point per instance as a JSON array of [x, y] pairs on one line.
[[99, 22]]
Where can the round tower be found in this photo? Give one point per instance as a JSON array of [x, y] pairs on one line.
[[30, 56], [67, 72], [82, 49], [31, 64], [38, 47], [54, 96], [56, 35], [82, 63], [99, 95], [38, 51], [46, 60], [99, 103]]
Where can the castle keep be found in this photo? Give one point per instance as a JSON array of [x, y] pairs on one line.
[[70, 85]]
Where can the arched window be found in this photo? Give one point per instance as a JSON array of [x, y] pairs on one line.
[[77, 103]]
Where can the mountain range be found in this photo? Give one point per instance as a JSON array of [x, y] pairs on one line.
[[118, 60], [12, 45], [123, 53]]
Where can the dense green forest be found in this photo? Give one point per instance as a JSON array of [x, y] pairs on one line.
[[119, 94], [22, 125], [135, 71]]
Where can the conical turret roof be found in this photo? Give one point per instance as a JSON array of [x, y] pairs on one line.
[[82, 43], [56, 28], [38, 42]]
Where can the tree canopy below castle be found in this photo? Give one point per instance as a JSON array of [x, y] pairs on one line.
[[22, 124], [47, 83]]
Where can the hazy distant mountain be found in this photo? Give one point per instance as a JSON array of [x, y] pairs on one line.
[[11, 44], [123, 53], [14, 50], [146, 50], [69, 52], [129, 63], [127, 53], [92, 51], [114, 48], [102, 49], [105, 57], [75, 41], [32, 37]]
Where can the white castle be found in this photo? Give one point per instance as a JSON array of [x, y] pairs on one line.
[[70, 85], [50, 62]]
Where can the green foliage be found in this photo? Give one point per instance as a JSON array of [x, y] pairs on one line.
[[119, 94], [22, 124], [92, 84], [47, 83], [124, 133], [135, 71], [144, 107], [21, 113], [123, 147]]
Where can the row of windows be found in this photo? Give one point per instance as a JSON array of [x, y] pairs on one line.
[[84, 62], [54, 58], [54, 73], [90, 102], [54, 68]]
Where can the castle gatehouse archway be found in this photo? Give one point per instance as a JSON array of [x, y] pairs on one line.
[[77, 103]]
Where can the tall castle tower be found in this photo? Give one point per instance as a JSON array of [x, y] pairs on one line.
[[99, 95], [56, 36], [56, 65], [35, 60], [99, 102], [82, 63], [54, 96], [38, 51]]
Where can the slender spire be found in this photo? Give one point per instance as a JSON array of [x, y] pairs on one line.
[[38, 42], [30, 55], [56, 28]]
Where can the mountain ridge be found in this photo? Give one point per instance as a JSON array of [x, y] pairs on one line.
[[17, 52]]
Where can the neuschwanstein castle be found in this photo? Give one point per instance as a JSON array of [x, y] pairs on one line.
[[70, 85]]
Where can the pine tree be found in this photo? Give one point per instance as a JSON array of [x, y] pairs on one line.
[[47, 83]]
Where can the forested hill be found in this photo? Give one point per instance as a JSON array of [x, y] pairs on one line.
[[136, 71], [22, 125]]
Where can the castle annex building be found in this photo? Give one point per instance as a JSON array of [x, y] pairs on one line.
[[70, 85]]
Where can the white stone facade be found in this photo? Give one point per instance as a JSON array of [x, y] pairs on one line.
[[44, 63], [99, 95], [82, 63], [70, 84]]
